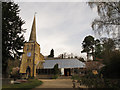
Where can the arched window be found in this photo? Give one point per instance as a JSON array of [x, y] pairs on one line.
[[28, 60]]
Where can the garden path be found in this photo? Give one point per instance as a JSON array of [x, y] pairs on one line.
[[56, 83]]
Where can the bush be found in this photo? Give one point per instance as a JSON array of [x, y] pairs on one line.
[[96, 81], [92, 82], [55, 77], [111, 70], [56, 70], [112, 83], [75, 77], [15, 73]]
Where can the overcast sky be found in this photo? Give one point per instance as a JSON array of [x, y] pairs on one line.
[[60, 25]]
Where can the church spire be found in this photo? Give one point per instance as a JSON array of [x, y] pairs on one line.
[[33, 31]]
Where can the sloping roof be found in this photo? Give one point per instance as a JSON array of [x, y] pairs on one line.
[[39, 64], [63, 63], [93, 65]]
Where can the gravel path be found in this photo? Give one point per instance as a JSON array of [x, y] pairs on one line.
[[56, 83]]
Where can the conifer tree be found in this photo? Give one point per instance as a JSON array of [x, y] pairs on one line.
[[12, 33], [51, 53]]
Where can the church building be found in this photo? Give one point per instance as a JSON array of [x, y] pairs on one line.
[[31, 55], [33, 63]]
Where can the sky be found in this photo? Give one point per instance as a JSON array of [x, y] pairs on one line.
[[61, 26]]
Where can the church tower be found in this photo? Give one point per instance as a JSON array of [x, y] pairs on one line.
[[31, 55]]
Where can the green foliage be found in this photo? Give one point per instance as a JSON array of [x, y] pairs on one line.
[[92, 47], [108, 47], [90, 80], [111, 59], [12, 33], [98, 48], [93, 82], [51, 53], [56, 70], [12, 64], [75, 77], [109, 15], [108, 44], [108, 20], [112, 83], [87, 44], [15, 73], [55, 77], [104, 47], [111, 70], [101, 83], [31, 83], [96, 81]]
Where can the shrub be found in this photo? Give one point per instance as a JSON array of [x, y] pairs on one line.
[[75, 77], [56, 70], [111, 70], [15, 73]]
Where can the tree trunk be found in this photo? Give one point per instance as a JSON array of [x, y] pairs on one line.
[[87, 56], [93, 54]]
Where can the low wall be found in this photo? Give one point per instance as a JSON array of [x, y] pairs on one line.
[[52, 76]]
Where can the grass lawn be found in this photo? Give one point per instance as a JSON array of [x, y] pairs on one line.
[[31, 83]]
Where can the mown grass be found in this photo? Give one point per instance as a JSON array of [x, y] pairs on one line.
[[31, 83]]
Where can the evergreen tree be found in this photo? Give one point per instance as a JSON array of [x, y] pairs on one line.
[[51, 53], [88, 45], [12, 33], [56, 70], [98, 49], [108, 48]]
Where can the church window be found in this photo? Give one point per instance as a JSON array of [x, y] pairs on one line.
[[28, 60]]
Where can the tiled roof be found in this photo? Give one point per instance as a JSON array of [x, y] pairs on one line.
[[93, 65], [63, 63]]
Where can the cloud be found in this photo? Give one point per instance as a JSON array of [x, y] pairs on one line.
[[61, 26]]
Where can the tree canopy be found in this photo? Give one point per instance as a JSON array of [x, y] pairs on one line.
[[87, 45], [109, 18], [51, 53], [93, 47], [12, 32], [56, 69], [108, 47]]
